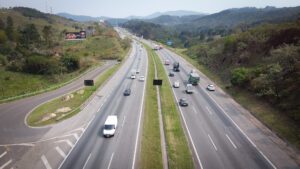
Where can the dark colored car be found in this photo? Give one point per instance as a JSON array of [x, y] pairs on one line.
[[171, 74], [127, 92], [183, 102]]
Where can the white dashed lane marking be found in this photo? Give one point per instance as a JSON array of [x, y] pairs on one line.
[[60, 152], [46, 163]]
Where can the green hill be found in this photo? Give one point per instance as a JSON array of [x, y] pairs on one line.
[[34, 54]]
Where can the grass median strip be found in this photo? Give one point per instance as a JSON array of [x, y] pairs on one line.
[[68, 105], [151, 155], [179, 155]]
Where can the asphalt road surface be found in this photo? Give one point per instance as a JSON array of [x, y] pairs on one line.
[[121, 151], [12, 115], [221, 133]]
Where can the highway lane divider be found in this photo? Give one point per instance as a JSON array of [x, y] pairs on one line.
[[178, 152], [151, 154]]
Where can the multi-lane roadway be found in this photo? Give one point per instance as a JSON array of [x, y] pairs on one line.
[[221, 133], [95, 151]]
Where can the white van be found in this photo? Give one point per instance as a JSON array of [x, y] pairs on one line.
[[110, 126]]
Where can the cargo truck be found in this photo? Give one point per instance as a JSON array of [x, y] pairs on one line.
[[194, 78]]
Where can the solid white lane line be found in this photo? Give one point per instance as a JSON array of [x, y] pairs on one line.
[[139, 123], [86, 162], [60, 152], [266, 158], [212, 142], [76, 136], [195, 111], [112, 156], [188, 131], [3, 154], [231, 141], [46, 163], [209, 111], [6, 164]]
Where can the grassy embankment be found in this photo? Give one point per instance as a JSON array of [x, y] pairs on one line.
[[16, 85], [179, 155], [44, 110], [268, 115]]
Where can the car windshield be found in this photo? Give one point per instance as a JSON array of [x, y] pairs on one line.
[[109, 126]]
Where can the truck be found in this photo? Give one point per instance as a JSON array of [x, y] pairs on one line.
[[176, 67], [194, 78]]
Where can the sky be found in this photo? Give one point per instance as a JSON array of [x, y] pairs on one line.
[[125, 8]]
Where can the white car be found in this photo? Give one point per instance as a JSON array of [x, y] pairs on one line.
[[110, 126], [189, 89], [142, 78], [132, 76], [176, 84], [211, 87]]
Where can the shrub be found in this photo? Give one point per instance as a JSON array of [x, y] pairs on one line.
[[240, 76], [71, 62]]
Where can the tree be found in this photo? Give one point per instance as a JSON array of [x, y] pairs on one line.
[[47, 35], [71, 62], [240, 76], [29, 36], [2, 24], [10, 28], [3, 37]]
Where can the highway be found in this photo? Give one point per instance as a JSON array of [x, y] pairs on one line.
[[121, 151], [221, 133]]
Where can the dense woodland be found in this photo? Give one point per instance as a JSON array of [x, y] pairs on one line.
[[262, 56]]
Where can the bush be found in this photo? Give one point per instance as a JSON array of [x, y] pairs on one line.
[[71, 62], [40, 65], [3, 60], [240, 76]]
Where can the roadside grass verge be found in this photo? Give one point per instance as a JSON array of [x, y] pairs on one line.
[[17, 85], [151, 155], [75, 102], [264, 112], [179, 154]]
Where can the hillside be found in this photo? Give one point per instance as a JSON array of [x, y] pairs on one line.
[[173, 20], [187, 30], [248, 16], [34, 54], [264, 61]]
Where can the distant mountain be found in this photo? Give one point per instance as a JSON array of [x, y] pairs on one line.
[[249, 16], [170, 13], [81, 18], [174, 20]]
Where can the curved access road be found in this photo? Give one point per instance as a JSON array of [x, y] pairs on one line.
[[12, 115]]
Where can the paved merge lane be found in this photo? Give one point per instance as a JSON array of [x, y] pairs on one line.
[[95, 151], [218, 140]]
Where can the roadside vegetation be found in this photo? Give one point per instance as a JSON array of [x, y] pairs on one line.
[[35, 57], [68, 105], [255, 59], [179, 154], [151, 154], [260, 69]]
